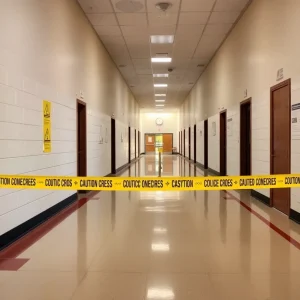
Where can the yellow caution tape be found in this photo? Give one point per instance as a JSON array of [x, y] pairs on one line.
[[150, 183]]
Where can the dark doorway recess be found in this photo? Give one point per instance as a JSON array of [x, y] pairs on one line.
[[139, 143], [223, 143], [181, 142], [245, 138], [113, 146], [184, 142], [135, 155], [81, 140], [206, 144], [280, 96], [129, 145], [195, 143], [189, 143]]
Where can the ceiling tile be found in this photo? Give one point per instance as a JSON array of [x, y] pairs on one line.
[[189, 30], [142, 63], [138, 19], [162, 30], [219, 17], [112, 40], [197, 5], [173, 9], [161, 48], [103, 19], [108, 30], [96, 6], [217, 29], [133, 30], [139, 40], [140, 52], [158, 20], [185, 48], [193, 17], [129, 6], [230, 5]]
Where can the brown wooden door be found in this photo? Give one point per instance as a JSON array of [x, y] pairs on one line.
[[223, 143], [81, 139], [167, 142], [150, 143], [281, 141], [195, 143], [205, 144], [245, 138], [184, 142], [189, 143]]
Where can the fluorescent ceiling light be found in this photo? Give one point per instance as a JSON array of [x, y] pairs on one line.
[[160, 85], [160, 247], [161, 59], [160, 105], [160, 95], [160, 75], [162, 39], [160, 100]]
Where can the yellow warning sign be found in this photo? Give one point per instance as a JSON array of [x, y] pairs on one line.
[[151, 183], [47, 126]]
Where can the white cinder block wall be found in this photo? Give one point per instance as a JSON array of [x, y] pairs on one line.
[[247, 61], [54, 58]]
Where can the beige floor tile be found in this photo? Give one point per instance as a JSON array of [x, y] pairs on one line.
[[25, 285], [96, 286]]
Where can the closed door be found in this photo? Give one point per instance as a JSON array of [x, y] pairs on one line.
[[189, 142], [223, 143], [149, 143], [245, 138], [81, 139], [205, 144], [113, 146], [280, 142], [195, 143], [167, 142]]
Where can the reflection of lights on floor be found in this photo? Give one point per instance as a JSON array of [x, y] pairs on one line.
[[160, 293], [160, 229], [160, 247]]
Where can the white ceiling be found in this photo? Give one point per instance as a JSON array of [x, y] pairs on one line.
[[199, 27]]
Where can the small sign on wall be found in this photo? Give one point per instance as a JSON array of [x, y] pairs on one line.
[[280, 74], [295, 118], [47, 126], [229, 126]]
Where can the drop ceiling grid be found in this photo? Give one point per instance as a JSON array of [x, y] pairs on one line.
[[199, 27]]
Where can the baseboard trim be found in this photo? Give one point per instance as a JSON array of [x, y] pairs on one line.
[[213, 172], [201, 166], [294, 216], [262, 198], [16, 233]]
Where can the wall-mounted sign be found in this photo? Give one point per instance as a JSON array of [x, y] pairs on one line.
[[295, 118], [229, 126], [280, 74], [214, 128], [47, 126]]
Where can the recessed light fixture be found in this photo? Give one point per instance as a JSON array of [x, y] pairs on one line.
[[160, 75], [160, 95], [161, 59], [159, 105], [162, 39], [160, 100], [160, 85]]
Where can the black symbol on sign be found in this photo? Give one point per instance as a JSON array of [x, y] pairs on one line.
[[47, 136], [167, 183], [235, 182], [75, 182], [46, 111]]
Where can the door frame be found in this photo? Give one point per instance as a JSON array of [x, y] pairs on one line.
[[179, 150], [135, 144], [205, 144], [184, 143], [80, 102], [139, 143], [113, 146], [223, 112], [244, 102], [195, 143], [272, 89]]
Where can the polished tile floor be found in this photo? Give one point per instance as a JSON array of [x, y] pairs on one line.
[[162, 246]]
